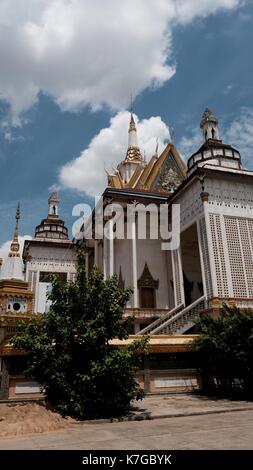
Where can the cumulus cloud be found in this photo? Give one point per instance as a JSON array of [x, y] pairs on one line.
[[5, 247], [240, 134], [87, 172], [90, 52]]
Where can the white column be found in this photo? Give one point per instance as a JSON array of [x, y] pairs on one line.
[[134, 264], [180, 267], [96, 253], [36, 291], [210, 249], [105, 257], [178, 281], [202, 265], [111, 248]]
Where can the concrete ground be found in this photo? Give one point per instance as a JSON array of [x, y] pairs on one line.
[[167, 406], [194, 423], [233, 430]]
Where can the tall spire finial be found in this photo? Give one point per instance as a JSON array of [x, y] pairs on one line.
[[133, 151], [209, 125], [131, 104], [53, 203], [14, 249], [132, 126]]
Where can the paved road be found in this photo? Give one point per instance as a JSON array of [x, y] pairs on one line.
[[231, 430]]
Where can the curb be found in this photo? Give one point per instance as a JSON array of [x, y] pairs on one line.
[[148, 417]]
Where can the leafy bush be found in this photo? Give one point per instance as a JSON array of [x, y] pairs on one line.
[[70, 352], [225, 353]]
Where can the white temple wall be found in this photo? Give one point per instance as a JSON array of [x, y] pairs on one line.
[[229, 224], [191, 205], [122, 260], [191, 211], [49, 260], [149, 251]]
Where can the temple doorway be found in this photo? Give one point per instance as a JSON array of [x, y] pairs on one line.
[[193, 284]]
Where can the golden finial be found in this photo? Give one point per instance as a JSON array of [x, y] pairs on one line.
[[132, 126], [131, 103], [14, 249]]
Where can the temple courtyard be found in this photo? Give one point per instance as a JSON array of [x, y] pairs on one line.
[[159, 422]]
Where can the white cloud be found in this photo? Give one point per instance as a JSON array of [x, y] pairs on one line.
[[91, 52], [86, 173], [240, 134], [5, 247]]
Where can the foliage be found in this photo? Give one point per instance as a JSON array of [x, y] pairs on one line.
[[225, 352], [70, 352]]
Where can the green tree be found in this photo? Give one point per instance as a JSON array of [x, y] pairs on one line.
[[69, 349], [225, 352]]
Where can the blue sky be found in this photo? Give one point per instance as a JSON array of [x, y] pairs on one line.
[[208, 56]]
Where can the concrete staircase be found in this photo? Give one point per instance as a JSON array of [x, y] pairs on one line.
[[177, 321], [155, 324]]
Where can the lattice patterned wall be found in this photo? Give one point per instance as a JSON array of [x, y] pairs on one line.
[[219, 257], [239, 233], [32, 280], [191, 207], [205, 255]]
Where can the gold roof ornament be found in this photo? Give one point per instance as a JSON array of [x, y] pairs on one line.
[[133, 152], [14, 248], [132, 126]]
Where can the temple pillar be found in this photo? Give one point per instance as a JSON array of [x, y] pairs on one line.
[[96, 253], [105, 250], [134, 264], [178, 281], [111, 248]]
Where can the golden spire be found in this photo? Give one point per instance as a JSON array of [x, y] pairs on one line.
[[14, 250], [132, 126], [133, 151]]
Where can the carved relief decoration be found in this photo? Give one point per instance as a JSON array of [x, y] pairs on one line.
[[147, 280]]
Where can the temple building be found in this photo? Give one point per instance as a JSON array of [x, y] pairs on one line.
[[23, 292], [16, 300], [50, 252], [212, 263], [203, 258]]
